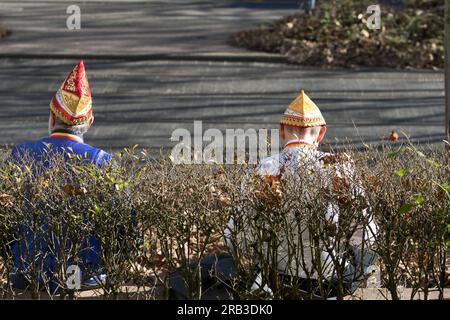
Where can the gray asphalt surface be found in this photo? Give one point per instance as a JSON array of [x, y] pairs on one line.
[[157, 66]]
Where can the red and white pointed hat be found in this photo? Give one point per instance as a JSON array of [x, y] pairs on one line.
[[72, 103]]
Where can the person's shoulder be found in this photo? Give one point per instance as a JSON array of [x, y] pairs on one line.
[[341, 158], [28, 145], [19, 150], [342, 163], [97, 155], [269, 166], [103, 157]]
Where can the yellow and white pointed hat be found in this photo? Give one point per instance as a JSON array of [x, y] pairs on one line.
[[303, 112]]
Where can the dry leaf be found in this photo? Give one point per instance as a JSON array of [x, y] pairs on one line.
[[393, 136]]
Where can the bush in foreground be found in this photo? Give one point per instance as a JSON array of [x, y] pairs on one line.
[[153, 218]]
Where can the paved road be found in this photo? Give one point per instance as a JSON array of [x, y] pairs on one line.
[[143, 96], [143, 102], [134, 28]]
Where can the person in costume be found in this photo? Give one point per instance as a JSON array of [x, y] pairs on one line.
[[71, 116], [302, 128]]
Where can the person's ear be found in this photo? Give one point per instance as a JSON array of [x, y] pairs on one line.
[[53, 120], [282, 133], [91, 121], [322, 132]]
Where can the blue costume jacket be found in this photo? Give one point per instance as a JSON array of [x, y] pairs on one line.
[[59, 142]]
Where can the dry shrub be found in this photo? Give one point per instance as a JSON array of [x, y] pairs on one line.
[[408, 191], [290, 225], [154, 219], [58, 211], [186, 209]]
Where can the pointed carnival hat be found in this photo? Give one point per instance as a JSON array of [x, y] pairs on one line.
[[72, 103], [303, 112]]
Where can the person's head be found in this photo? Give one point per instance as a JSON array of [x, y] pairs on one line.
[[71, 107], [311, 135], [303, 120], [55, 123]]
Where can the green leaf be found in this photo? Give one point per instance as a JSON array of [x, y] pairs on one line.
[[445, 186], [419, 199], [392, 154], [435, 163], [400, 172], [407, 207], [76, 217], [95, 210]]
